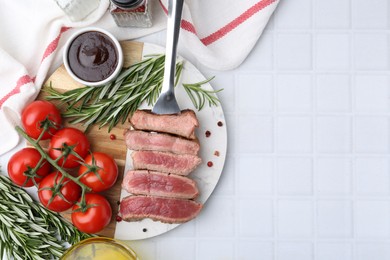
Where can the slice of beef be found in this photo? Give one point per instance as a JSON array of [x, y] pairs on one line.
[[159, 184], [183, 124], [167, 210], [181, 164], [140, 140]]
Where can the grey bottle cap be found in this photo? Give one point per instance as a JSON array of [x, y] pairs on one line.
[[127, 4]]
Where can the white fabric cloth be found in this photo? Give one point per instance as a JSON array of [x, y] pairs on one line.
[[220, 34]]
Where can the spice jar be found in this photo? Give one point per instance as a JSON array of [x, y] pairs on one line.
[[77, 10], [131, 13]]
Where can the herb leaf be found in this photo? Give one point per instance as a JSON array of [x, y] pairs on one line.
[[30, 231], [116, 101]]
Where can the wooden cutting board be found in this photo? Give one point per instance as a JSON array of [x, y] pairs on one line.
[[100, 138]]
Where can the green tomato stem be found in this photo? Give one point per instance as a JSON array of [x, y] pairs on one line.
[[84, 188]]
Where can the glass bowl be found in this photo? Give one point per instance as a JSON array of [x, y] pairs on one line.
[[99, 248]]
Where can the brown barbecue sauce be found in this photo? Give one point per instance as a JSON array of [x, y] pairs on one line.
[[92, 56]]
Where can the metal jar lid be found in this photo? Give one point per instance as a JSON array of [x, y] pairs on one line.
[[127, 4]]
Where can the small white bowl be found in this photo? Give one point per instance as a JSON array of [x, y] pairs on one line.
[[119, 52]]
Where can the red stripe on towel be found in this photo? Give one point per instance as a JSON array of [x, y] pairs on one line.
[[186, 25], [54, 44], [26, 78], [236, 22], [21, 81]]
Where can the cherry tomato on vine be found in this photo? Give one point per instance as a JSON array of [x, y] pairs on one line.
[[96, 217], [65, 192], [34, 116], [20, 166], [102, 165], [62, 143]]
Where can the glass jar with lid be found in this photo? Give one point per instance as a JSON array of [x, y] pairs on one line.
[[131, 13], [77, 10]]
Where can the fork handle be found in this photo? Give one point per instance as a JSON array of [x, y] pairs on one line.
[[175, 8]]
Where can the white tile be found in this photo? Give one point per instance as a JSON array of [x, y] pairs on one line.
[[372, 93], [261, 56], [371, 251], [226, 182], [254, 175], [217, 218], [332, 51], [294, 251], [372, 219], [293, 14], [294, 134], [295, 176], [294, 93], [232, 133], [294, 51], [370, 14], [255, 218], [295, 218], [215, 249], [256, 93], [333, 134], [371, 51], [225, 81], [372, 176], [371, 134], [174, 249], [333, 176], [332, 14], [247, 249], [271, 23], [333, 251], [334, 218], [255, 134], [333, 93], [187, 230], [145, 249]]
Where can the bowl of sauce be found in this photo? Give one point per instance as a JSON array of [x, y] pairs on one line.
[[99, 248], [93, 56]]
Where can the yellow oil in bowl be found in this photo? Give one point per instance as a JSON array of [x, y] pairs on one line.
[[99, 248]]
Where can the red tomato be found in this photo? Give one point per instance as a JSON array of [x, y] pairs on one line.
[[21, 162], [35, 113], [105, 167], [96, 217], [70, 192], [67, 137]]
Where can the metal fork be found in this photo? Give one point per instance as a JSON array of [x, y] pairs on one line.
[[166, 102]]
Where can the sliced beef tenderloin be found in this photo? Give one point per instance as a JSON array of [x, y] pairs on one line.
[[182, 124], [159, 184], [167, 210], [180, 164], [140, 140]]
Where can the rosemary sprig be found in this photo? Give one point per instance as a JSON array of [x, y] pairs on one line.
[[30, 231], [199, 96], [115, 102]]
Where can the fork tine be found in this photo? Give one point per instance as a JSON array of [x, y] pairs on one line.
[[166, 104]]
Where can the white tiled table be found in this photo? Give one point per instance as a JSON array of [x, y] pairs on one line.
[[307, 174]]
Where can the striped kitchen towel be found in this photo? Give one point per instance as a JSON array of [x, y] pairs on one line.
[[219, 33]]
